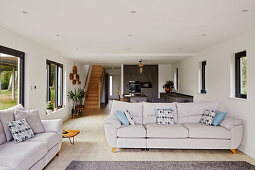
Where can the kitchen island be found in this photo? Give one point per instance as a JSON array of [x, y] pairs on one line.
[[136, 98]]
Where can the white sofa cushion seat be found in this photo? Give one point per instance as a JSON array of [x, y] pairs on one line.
[[49, 138], [22, 155], [131, 131], [198, 130], [166, 131]]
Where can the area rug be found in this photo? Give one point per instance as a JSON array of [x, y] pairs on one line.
[[160, 165]]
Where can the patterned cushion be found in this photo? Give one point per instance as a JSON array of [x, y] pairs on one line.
[[33, 119], [207, 117], [129, 117], [164, 116], [20, 130]]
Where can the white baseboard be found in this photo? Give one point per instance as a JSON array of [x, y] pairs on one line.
[[248, 151]]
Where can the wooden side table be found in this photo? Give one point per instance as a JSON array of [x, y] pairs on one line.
[[70, 134]]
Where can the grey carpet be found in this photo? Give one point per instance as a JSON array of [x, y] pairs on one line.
[[160, 165]]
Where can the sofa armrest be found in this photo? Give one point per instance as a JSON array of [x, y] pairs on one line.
[[230, 122], [54, 125], [112, 120]]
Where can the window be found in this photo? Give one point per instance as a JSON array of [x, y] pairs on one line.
[[110, 85], [176, 79], [240, 75], [11, 77], [55, 83], [203, 65]]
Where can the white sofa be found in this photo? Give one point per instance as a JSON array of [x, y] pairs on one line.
[[187, 133], [34, 153]]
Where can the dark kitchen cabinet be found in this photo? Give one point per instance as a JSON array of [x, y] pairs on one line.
[[149, 74]]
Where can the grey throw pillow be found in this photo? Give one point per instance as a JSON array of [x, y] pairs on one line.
[[8, 116], [33, 119], [20, 130], [2, 134]]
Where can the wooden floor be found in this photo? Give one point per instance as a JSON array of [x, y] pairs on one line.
[[91, 145]]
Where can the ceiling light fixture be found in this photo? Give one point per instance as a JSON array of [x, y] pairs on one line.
[[203, 34], [245, 10], [58, 35], [133, 12], [24, 12], [141, 64], [130, 35]]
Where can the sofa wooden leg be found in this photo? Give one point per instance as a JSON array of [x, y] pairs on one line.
[[57, 154], [233, 151], [113, 150]]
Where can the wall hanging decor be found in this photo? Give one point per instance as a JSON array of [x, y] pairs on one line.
[[74, 76]]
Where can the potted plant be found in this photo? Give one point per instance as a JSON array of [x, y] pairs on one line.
[[74, 96], [81, 94], [168, 86], [49, 108]]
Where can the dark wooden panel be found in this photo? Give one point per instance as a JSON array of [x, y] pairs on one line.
[[149, 74]]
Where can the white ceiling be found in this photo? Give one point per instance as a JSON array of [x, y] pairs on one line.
[[96, 31]]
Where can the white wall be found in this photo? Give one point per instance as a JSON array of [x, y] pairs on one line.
[[165, 73], [218, 62], [35, 72]]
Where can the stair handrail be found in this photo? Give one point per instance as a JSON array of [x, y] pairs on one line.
[[86, 81]]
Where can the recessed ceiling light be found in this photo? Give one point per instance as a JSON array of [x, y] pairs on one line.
[[58, 35], [203, 34], [245, 10], [130, 35], [24, 12], [133, 12], [77, 48]]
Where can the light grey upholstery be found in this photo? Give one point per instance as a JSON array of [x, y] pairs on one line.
[[186, 134], [131, 131], [34, 153], [166, 131], [2, 134], [198, 130], [229, 122], [8, 116]]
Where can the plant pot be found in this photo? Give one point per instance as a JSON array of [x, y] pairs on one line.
[[168, 90], [48, 112]]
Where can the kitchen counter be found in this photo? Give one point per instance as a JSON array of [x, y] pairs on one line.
[[136, 98]]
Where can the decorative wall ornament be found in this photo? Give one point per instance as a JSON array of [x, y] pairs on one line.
[[74, 76]]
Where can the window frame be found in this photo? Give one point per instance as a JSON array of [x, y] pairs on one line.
[[177, 78], [238, 56], [21, 55], [203, 67], [48, 68]]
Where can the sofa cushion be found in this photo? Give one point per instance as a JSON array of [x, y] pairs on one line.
[[22, 155], [49, 138], [149, 115], [2, 134], [8, 116], [198, 130], [131, 131], [136, 109], [33, 119], [166, 131], [192, 112]]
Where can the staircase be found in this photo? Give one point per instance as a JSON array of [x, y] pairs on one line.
[[94, 92]]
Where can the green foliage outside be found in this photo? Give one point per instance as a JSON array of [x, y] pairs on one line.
[[5, 79], [6, 99], [243, 75]]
